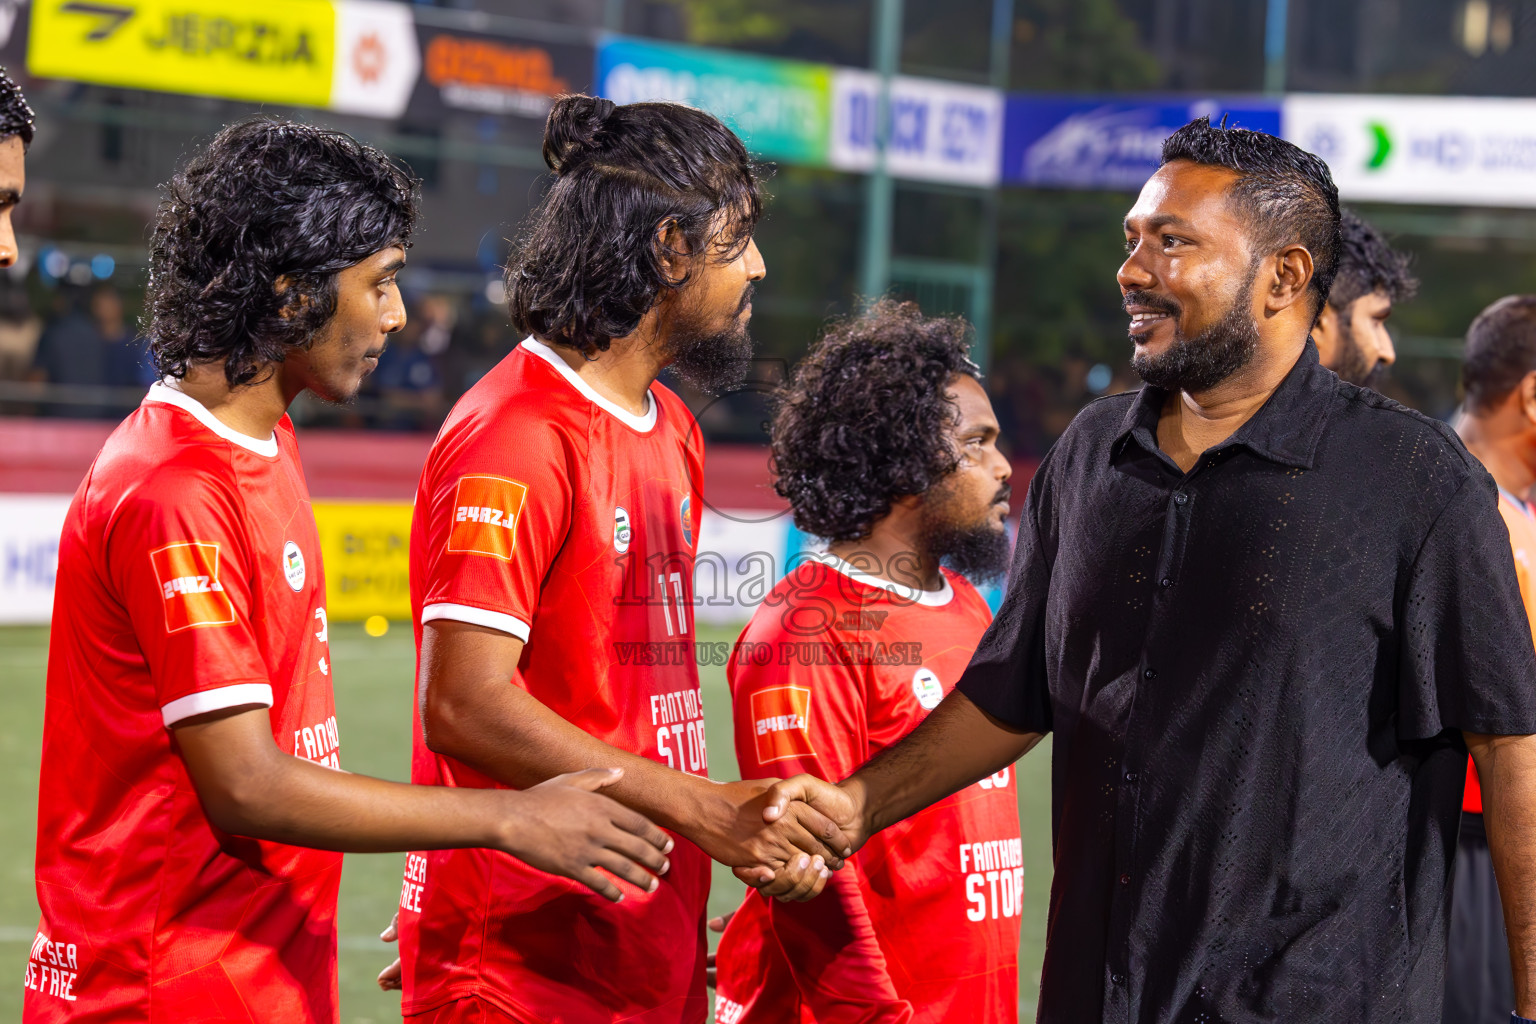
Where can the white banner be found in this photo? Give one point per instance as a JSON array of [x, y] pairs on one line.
[[29, 554], [377, 58], [740, 558], [939, 131], [1421, 149]]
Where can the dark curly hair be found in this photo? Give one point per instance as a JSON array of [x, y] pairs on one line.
[[267, 199], [16, 117], [1501, 350], [865, 421], [1285, 193], [1368, 262], [588, 264]]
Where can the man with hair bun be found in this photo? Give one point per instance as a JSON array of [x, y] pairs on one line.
[[1266, 614], [1351, 332], [1498, 425], [885, 445], [551, 577], [192, 804]]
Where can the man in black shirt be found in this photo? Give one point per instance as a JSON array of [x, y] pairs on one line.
[[1265, 614]]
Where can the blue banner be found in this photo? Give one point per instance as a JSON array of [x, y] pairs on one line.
[[1111, 142]]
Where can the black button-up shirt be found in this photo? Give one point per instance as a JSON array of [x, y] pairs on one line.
[[1257, 674]]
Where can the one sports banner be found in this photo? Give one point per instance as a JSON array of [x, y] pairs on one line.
[[1111, 142], [1421, 149], [780, 108], [353, 56]]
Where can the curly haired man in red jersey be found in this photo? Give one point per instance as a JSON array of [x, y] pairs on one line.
[[886, 446]]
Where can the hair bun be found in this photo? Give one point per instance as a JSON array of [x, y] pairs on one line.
[[574, 124]]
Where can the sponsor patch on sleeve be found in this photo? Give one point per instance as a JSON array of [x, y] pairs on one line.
[[781, 723], [485, 514], [188, 573]]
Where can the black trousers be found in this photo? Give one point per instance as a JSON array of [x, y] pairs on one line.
[[1478, 986]]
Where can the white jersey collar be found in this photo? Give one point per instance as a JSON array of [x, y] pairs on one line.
[[915, 595], [161, 391], [643, 424]]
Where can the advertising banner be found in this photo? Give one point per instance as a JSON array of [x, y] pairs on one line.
[[377, 60], [936, 131], [29, 554], [1108, 143], [366, 548], [495, 74], [780, 108], [1421, 149], [356, 56]]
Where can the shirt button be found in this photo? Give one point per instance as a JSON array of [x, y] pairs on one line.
[[1167, 582], [1118, 979], [1181, 498], [1125, 879], [1131, 776], [1150, 673]]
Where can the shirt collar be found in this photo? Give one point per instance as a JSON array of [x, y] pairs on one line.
[[163, 391], [1286, 429]]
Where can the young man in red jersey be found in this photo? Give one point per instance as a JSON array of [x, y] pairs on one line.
[[551, 575], [16, 123], [886, 446], [190, 769]]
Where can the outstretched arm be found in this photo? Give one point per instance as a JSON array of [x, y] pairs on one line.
[[1506, 766], [248, 787], [471, 712], [956, 745]]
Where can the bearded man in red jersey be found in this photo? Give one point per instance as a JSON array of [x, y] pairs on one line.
[[886, 446], [552, 574], [191, 770]]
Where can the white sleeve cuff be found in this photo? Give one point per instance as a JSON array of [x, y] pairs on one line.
[[216, 700], [477, 617]]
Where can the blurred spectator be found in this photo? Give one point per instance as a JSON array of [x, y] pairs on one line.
[[476, 346], [409, 384], [127, 362], [438, 315], [91, 347], [20, 328]]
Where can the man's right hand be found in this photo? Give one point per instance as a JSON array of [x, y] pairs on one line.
[[564, 826], [787, 858], [841, 805]]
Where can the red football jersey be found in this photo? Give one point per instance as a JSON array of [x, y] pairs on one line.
[[923, 923], [553, 515], [189, 581]]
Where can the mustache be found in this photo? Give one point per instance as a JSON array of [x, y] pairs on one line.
[[1004, 493], [746, 297], [1150, 300]]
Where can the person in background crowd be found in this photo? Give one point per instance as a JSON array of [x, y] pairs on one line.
[[1351, 334], [71, 352], [408, 383], [127, 363], [885, 444], [20, 328], [1498, 425]]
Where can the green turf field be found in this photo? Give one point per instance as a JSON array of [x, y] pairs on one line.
[[373, 696]]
